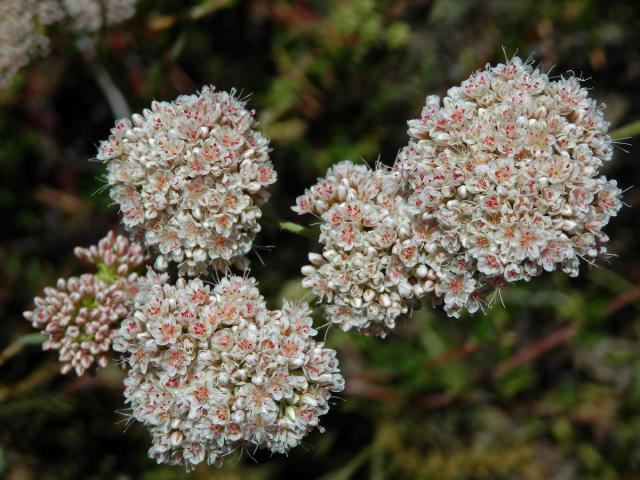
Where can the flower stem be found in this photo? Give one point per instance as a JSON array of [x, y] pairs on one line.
[[112, 94], [18, 344], [630, 130], [114, 97], [45, 372], [298, 229], [292, 227]]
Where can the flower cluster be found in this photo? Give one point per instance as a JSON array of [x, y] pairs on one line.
[[80, 315], [364, 271], [21, 38], [91, 15], [505, 169], [500, 182], [211, 369], [189, 177], [23, 26]]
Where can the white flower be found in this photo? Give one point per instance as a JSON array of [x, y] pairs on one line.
[[211, 369], [190, 177]]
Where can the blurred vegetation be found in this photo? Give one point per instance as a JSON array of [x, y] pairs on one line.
[[546, 388]]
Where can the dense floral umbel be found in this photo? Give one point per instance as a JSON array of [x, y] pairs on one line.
[[364, 274], [21, 37], [189, 176], [91, 15], [23, 26], [80, 316], [504, 173], [212, 370]]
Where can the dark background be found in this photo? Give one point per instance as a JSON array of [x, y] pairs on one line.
[[546, 388]]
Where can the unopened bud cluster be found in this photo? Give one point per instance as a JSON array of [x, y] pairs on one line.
[[80, 315], [500, 181], [115, 257], [212, 370], [23, 25], [190, 177]]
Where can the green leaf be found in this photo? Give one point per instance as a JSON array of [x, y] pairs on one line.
[[207, 7]]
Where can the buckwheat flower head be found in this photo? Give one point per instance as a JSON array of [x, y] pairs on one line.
[[190, 177], [505, 173], [21, 36], [81, 315], [211, 369], [118, 11], [91, 15], [23, 26], [364, 274]]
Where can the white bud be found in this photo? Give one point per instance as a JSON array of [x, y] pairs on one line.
[[308, 270], [368, 295], [316, 258], [422, 271], [566, 211], [385, 300], [569, 226], [296, 362], [290, 412], [161, 263], [175, 438], [238, 416], [254, 187], [309, 400]]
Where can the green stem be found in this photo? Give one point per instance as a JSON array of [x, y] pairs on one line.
[[630, 130], [350, 469], [18, 344], [292, 227], [207, 7], [42, 374], [298, 229], [115, 98]]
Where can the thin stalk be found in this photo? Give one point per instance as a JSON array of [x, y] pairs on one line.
[[18, 344], [115, 98], [628, 131]]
